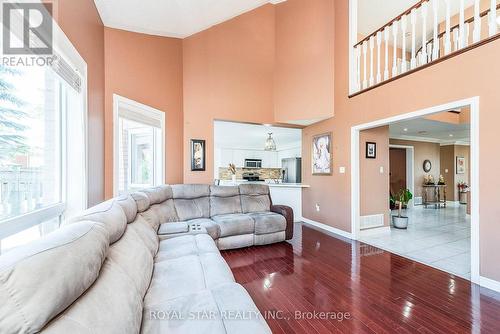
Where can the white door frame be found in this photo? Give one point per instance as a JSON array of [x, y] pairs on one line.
[[120, 102], [410, 168], [473, 102]]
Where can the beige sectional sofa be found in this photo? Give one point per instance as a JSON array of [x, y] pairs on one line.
[[109, 271]]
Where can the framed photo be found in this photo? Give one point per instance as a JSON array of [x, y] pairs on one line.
[[371, 150], [460, 165], [197, 155], [322, 154]]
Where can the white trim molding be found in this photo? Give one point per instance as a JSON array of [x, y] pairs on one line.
[[489, 283], [473, 102], [327, 228], [131, 107]]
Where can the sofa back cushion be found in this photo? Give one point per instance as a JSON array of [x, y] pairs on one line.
[[110, 214], [224, 200], [146, 233], [112, 305], [129, 207], [191, 201], [40, 280], [255, 198]]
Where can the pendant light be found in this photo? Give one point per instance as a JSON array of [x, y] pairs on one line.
[[270, 144]]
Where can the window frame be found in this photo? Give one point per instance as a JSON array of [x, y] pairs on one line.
[[139, 111], [63, 47]]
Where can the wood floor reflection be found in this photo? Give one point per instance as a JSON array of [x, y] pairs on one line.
[[373, 291]]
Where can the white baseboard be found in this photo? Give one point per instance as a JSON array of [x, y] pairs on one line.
[[328, 228], [371, 221], [375, 231], [489, 283]]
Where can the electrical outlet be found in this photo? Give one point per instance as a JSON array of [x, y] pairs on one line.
[[317, 207], [342, 170]]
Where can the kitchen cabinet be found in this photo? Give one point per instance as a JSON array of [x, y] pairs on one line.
[[270, 159]]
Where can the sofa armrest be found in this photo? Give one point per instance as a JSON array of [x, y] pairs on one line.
[[173, 228], [286, 212]]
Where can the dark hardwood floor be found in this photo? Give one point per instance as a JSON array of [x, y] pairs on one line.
[[375, 291]]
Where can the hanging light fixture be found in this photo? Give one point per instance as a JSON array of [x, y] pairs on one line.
[[270, 144]]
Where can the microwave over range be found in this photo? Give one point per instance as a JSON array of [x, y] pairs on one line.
[[253, 163]]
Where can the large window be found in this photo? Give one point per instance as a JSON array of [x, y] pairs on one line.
[[42, 145], [138, 146]]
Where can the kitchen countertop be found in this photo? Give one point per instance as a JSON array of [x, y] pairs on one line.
[[270, 184]]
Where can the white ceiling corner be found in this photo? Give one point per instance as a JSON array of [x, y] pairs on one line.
[[172, 18]]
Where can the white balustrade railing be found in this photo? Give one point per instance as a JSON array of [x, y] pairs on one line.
[[429, 30]]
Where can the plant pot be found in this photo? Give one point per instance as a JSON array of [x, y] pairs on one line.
[[400, 222]]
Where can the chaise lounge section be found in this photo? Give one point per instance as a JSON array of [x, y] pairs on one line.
[[109, 271]]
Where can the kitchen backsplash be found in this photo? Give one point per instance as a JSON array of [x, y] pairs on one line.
[[265, 173]]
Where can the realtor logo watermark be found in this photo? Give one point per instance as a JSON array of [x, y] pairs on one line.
[[27, 35]]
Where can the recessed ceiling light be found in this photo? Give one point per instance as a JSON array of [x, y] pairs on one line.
[[498, 20], [451, 135], [268, 125], [405, 129]]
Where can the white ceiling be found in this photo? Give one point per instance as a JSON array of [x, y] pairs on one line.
[[430, 130], [252, 137], [172, 18]]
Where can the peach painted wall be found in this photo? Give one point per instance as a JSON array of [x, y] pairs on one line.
[[303, 86], [438, 84], [147, 69], [228, 75], [82, 24], [447, 163], [374, 188]]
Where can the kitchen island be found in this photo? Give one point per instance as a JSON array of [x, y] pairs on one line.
[[281, 193]]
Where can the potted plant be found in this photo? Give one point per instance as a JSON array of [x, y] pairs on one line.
[[402, 198]]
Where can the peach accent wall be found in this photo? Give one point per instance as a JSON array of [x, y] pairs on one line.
[[303, 86], [228, 75], [81, 22], [147, 69], [432, 86], [374, 189]]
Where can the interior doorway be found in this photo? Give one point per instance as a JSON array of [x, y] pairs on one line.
[[433, 219]]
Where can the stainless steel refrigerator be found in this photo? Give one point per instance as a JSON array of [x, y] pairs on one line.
[[291, 169]]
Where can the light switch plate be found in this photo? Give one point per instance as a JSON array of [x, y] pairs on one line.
[[381, 169]]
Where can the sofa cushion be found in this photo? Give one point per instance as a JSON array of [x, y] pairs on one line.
[[224, 200], [236, 241], [218, 303], [110, 214], [41, 279], [133, 257], [142, 201], [211, 227], [185, 245], [188, 209], [268, 222], [234, 224], [190, 191], [112, 296], [158, 194], [129, 207], [146, 233], [185, 275], [255, 198]]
